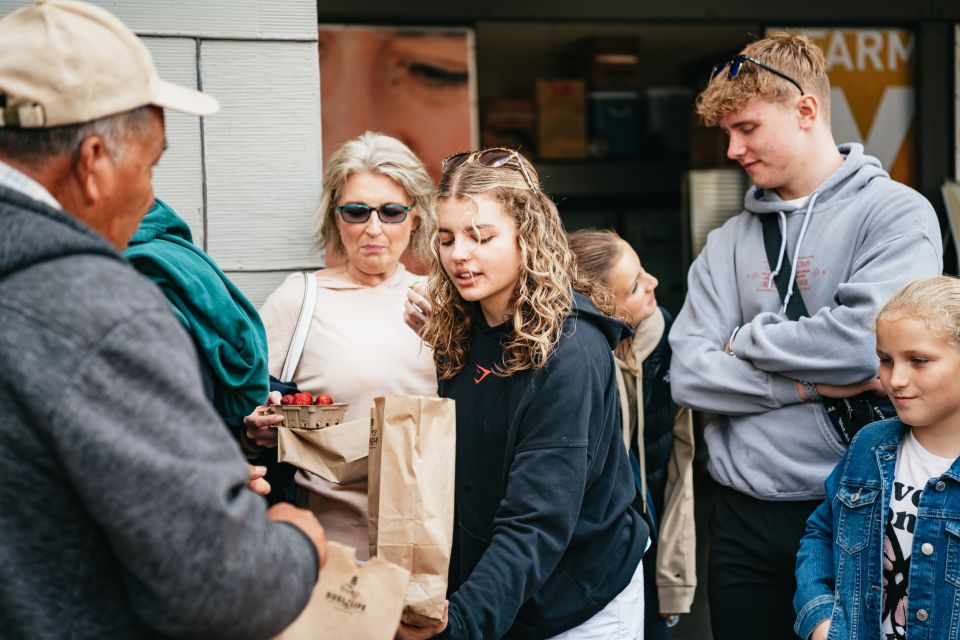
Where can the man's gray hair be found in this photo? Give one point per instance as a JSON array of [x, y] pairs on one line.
[[33, 146]]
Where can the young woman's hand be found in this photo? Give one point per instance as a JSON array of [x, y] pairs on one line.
[[416, 308], [257, 425], [406, 632], [820, 631]]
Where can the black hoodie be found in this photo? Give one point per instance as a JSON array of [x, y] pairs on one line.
[[545, 536]]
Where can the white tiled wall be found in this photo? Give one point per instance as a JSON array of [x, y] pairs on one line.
[[248, 178]]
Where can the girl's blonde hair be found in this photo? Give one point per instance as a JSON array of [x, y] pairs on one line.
[[596, 252], [934, 300], [543, 297], [386, 156]]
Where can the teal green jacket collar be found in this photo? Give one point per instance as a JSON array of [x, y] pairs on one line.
[[222, 322]]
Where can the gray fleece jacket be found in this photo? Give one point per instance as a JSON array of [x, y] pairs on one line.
[[856, 240], [123, 507]]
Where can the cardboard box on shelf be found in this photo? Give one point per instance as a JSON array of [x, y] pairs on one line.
[[607, 62], [561, 119]]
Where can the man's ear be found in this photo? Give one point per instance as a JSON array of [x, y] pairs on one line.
[[93, 170], [808, 111]]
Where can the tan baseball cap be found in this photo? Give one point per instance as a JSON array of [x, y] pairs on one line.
[[69, 62]]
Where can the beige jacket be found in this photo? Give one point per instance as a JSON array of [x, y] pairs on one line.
[[676, 563]]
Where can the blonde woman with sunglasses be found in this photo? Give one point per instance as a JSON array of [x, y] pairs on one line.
[[377, 200], [546, 542]]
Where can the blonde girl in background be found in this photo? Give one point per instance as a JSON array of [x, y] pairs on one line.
[[657, 433]]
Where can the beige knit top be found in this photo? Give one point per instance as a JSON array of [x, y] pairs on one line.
[[358, 348]]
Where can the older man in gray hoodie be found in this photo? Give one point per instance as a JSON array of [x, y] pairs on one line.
[[844, 237], [124, 507]]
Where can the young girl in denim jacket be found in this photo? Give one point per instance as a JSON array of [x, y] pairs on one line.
[[881, 555]]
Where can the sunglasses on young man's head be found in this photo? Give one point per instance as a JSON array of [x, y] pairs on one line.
[[358, 213], [490, 158], [736, 63]]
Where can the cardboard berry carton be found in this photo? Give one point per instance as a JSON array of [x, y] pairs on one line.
[[301, 411]]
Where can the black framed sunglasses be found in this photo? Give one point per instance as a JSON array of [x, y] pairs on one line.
[[736, 63], [358, 212], [491, 158]]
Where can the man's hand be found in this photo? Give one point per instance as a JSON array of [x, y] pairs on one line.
[[820, 631], [416, 308], [256, 481], [406, 632], [258, 425], [305, 521]]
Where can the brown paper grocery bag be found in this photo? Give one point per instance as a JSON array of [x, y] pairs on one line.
[[337, 453], [411, 483], [352, 601]]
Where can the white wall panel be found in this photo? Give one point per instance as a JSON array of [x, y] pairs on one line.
[[257, 285], [178, 179], [262, 153], [255, 19]]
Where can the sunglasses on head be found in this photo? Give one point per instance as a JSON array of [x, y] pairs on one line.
[[736, 63], [358, 213], [491, 158]]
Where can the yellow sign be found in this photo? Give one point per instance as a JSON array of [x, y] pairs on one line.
[[872, 99]]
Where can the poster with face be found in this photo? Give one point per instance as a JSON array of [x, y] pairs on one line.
[[416, 84], [872, 92]]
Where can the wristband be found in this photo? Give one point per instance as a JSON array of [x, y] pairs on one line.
[[811, 390]]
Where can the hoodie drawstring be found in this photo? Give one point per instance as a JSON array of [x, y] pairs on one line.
[[783, 248], [796, 251]]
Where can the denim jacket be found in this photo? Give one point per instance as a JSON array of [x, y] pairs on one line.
[[839, 565]]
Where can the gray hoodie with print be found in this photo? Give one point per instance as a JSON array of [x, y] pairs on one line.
[[852, 243]]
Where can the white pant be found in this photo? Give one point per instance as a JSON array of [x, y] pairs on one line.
[[622, 619]]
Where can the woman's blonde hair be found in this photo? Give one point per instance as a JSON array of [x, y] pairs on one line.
[[543, 297], [596, 251], [793, 54], [386, 156], [934, 300]]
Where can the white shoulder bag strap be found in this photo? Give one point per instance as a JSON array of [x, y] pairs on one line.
[[303, 327]]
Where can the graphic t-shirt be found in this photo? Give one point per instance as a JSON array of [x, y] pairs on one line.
[[915, 466]]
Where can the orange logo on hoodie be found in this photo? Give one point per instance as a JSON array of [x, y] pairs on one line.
[[481, 373]]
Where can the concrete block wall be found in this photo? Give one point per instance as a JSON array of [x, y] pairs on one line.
[[247, 179]]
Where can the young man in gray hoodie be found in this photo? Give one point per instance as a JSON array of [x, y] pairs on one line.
[[851, 236], [124, 506]]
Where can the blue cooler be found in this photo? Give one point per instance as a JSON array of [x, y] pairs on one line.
[[615, 121]]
